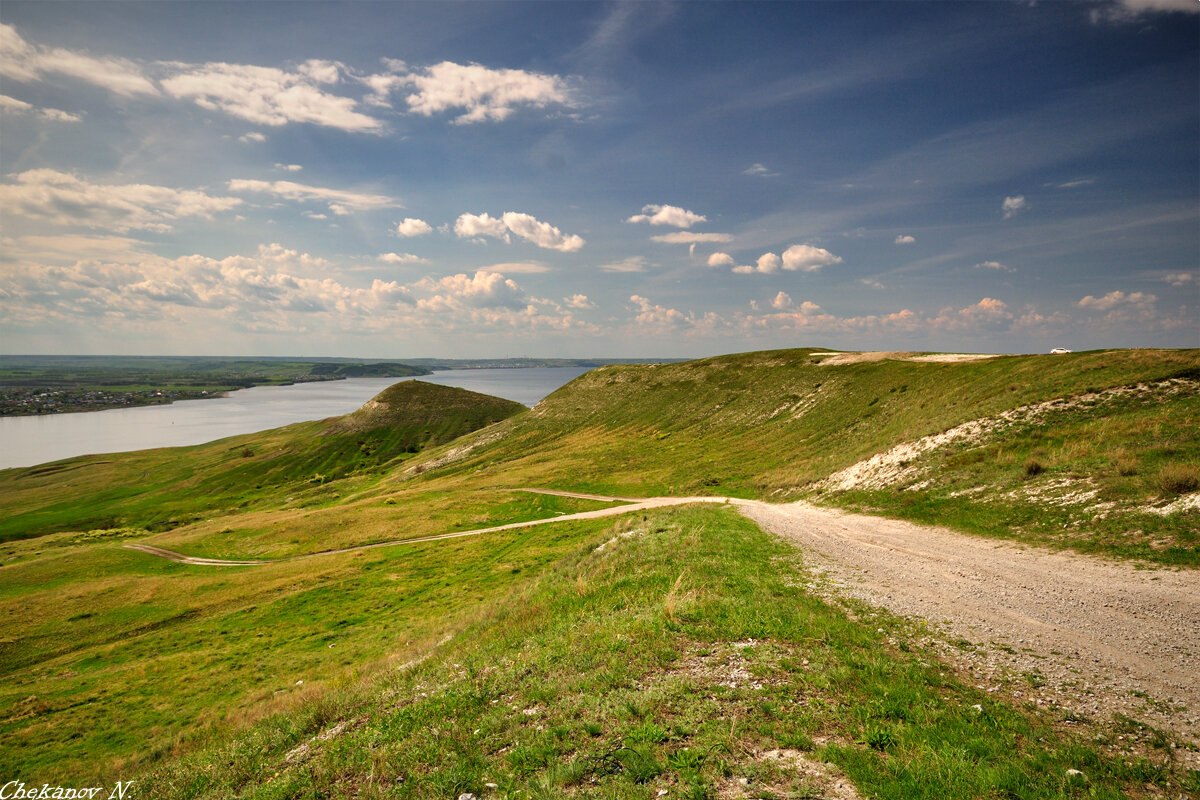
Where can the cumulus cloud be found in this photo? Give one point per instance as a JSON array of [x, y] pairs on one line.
[[253, 136], [66, 199], [904, 239], [631, 264], [994, 265], [668, 215], [768, 264], [266, 291], [782, 300], [400, 258], [683, 237], [720, 260], [289, 167], [579, 301], [410, 227], [483, 94], [807, 258], [11, 105], [1118, 298], [652, 315], [542, 234], [1179, 279], [340, 202], [268, 96], [25, 62], [1014, 205], [989, 314]]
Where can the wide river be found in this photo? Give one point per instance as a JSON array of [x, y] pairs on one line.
[[26, 441]]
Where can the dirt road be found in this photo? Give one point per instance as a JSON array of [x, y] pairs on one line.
[[1088, 635]]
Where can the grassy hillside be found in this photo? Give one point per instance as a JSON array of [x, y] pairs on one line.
[[162, 489], [674, 655], [113, 661], [776, 425]]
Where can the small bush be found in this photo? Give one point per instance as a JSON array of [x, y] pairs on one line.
[[1178, 478], [1126, 466], [1034, 467]]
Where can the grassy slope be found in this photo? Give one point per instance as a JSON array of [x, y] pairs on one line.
[[770, 425], [116, 637], [160, 489], [674, 660]]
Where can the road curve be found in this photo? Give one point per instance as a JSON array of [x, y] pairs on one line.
[[1101, 636]]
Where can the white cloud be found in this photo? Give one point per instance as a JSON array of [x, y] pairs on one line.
[[1180, 279], [517, 268], [631, 264], [267, 96], [904, 239], [89, 283], [782, 301], [720, 260], [11, 105], [542, 234], [289, 167], [68, 200], [484, 94], [1014, 205], [683, 237], [400, 258], [995, 265], [744, 269], [807, 258], [25, 62], [483, 290], [470, 226], [760, 171], [340, 202], [1115, 299], [988, 314], [1075, 184], [410, 227], [253, 136], [768, 264], [874, 284], [579, 301], [668, 215]]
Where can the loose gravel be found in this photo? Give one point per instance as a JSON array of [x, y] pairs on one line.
[[1080, 636]]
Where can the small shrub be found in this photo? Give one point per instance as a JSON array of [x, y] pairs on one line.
[[1034, 467], [1178, 478], [879, 739]]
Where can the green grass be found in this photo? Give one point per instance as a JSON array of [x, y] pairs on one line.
[[583, 684], [163, 489], [115, 662]]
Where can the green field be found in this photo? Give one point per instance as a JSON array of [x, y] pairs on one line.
[[674, 657]]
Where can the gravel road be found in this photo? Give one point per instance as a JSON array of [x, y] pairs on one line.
[[1091, 636]]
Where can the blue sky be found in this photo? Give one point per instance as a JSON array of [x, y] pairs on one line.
[[598, 179]]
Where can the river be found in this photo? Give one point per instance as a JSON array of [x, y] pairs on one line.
[[26, 441]]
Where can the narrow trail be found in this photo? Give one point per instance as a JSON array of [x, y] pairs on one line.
[[1092, 636], [631, 505]]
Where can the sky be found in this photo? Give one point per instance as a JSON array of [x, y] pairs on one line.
[[579, 179]]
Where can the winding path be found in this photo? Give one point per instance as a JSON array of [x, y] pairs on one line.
[[1092, 636]]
